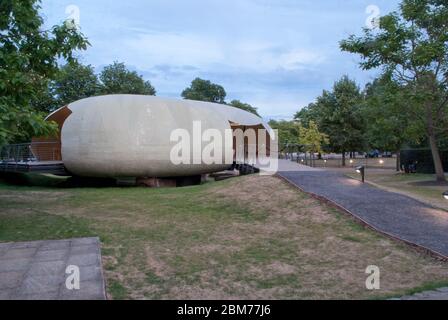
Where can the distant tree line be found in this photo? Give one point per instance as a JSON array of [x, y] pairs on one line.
[[411, 47], [406, 105], [75, 81], [204, 90], [40, 73]]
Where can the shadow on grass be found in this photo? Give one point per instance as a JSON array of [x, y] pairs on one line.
[[52, 181]]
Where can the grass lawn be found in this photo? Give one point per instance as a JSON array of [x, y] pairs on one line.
[[250, 237], [419, 186]]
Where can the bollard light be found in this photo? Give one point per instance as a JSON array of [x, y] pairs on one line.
[[445, 195], [381, 161], [361, 170]]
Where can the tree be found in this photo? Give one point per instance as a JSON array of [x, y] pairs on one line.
[[307, 114], [312, 138], [74, 82], [288, 131], [117, 79], [389, 124], [28, 59], [204, 90], [337, 114], [412, 44], [43, 100], [244, 106]]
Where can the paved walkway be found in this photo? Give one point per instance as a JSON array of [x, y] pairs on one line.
[[395, 214], [389, 212], [439, 294], [288, 165], [37, 270]]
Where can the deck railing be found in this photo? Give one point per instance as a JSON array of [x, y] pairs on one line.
[[31, 152]]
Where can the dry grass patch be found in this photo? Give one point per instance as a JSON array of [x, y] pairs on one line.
[[252, 237]]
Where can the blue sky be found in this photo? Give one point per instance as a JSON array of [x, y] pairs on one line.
[[277, 55]]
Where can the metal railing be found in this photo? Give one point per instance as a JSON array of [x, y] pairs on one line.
[[31, 152]]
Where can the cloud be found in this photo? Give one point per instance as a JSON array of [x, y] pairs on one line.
[[299, 59], [166, 48], [202, 52], [277, 55]]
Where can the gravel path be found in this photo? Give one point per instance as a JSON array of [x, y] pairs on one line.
[[288, 165], [389, 212], [395, 214]]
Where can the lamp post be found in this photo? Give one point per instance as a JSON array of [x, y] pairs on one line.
[[362, 171]]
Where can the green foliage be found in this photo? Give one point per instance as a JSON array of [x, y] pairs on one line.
[[307, 114], [412, 44], [74, 82], [338, 115], [44, 100], [117, 79], [244, 106], [389, 121], [312, 138], [288, 131], [28, 59], [204, 90]]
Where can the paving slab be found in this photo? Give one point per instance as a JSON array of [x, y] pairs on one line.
[[37, 270]]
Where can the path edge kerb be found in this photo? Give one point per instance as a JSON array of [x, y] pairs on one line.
[[404, 194], [104, 285], [433, 253]]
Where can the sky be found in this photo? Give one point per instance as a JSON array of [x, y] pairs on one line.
[[277, 55]]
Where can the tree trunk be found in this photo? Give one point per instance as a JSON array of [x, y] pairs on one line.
[[440, 174], [343, 158], [398, 160]]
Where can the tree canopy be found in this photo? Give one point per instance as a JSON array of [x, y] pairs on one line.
[[338, 114], [288, 131], [244, 106], [312, 138], [74, 82], [117, 79], [389, 124], [29, 57], [412, 45], [205, 90]]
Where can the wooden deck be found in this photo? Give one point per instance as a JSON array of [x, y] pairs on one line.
[[52, 167]]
